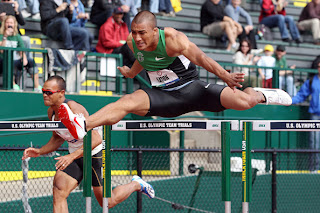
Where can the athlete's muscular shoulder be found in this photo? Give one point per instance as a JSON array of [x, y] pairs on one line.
[[176, 41], [77, 108]]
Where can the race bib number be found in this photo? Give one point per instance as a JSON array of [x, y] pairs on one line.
[[162, 78]]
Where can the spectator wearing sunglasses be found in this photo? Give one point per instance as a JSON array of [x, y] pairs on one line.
[[69, 167]]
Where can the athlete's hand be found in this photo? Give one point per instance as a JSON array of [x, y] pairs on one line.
[[234, 79], [63, 162], [124, 71], [30, 152]]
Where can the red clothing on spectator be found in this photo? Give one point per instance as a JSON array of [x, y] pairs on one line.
[[110, 35], [268, 9]]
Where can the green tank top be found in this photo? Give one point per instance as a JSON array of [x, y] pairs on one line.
[[154, 60]]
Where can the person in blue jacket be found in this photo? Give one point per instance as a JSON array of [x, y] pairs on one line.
[[312, 87]]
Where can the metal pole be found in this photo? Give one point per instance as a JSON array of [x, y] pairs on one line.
[[246, 166], [225, 159], [107, 169], [87, 178], [181, 154], [196, 187], [139, 170], [274, 182]]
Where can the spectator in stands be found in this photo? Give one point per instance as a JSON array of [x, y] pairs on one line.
[[275, 16], [312, 87], [55, 19], [153, 6], [267, 61], [215, 23], [21, 21], [10, 37], [286, 81], [113, 36], [244, 57], [165, 8], [80, 17], [310, 20], [234, 10], [17, 12], [102, 9], [33, 8]]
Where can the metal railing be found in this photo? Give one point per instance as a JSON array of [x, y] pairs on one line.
[[97, 68]]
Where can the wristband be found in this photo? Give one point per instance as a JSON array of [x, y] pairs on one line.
[[4, 38]]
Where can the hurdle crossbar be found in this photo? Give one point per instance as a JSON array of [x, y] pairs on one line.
[[165, 125], [283, 125], [31, 126]]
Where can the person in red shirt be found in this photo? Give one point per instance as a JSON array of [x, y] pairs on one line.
[[113, 36], [274, 15]]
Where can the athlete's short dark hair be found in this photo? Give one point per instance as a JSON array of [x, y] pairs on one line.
[[145, 16], [60, 81]]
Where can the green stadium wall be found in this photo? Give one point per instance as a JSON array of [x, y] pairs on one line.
[[29, 106]]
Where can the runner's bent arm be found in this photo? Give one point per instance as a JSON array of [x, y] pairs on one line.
[[96, 140], [136, 67], [178, 43]]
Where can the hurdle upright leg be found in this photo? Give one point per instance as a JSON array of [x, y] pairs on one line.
[[87, 173], [225, 165], [246, 166], [106, 163]]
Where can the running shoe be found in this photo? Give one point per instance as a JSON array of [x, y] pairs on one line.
[[75, 123], [275, 96], [146, 188]]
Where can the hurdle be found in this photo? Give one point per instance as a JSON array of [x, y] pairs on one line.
[[248, 126], [225, 126]]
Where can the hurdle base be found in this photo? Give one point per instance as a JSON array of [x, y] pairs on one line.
[[227, 206], [88, 205], [245, 207], [105, 205]]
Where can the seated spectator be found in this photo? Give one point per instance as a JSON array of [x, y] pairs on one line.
[[286, 81], [234, 10], [244, 57], [113, 37], [80, 17], [10, 37], [267, 61], [165, 8], [309, 20], [33, 8], [275, 16], [215, 23], [55, 19], [153, 6], [101, 10]]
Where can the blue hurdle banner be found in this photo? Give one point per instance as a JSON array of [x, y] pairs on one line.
[[165, 125], [284, 125], [31, 126]]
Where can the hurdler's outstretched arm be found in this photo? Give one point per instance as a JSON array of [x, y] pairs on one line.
[[178, 43]]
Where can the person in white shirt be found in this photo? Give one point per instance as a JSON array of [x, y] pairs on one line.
[[69, 167], [267, 61]]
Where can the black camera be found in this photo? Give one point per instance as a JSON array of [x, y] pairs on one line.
[[7, 8]]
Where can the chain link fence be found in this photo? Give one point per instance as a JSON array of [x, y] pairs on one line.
[[289, 188]]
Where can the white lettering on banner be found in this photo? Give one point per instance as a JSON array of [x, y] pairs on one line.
[[162, 78]]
